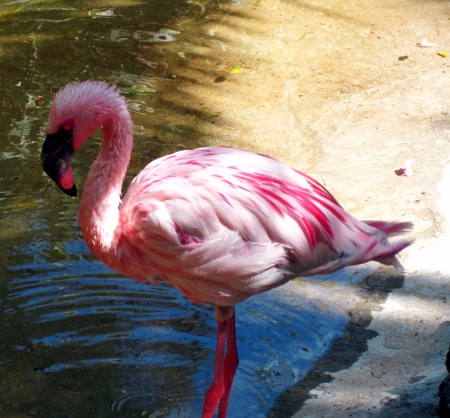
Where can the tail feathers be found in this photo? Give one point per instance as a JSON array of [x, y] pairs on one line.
[[389, 258], [391, 228]]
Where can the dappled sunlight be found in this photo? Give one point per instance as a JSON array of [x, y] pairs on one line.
[[322, 89]]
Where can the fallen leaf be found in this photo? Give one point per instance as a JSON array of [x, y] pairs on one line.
[[236, 69]]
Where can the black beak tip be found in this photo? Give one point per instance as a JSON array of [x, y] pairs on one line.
[[71, 192]]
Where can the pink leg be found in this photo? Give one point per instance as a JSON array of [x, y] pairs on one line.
[[231, 364], [215, 392]]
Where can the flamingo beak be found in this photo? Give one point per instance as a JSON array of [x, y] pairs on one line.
[[55, 158]]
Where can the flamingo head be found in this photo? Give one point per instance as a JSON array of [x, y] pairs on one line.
[[55, 157], [77, 111]]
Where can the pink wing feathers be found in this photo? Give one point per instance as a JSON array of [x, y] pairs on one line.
[[222, 224]]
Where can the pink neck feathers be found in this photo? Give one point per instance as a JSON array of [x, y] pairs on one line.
[[99, 207]]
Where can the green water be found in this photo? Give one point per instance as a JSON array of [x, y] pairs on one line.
[[78, 340]]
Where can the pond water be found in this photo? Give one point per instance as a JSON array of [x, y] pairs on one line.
[[78, 339]]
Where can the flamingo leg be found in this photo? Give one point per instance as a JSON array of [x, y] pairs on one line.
[[231, 364], [214, 393]]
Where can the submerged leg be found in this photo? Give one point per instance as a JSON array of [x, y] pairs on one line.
[[231, 364], [214, 393]]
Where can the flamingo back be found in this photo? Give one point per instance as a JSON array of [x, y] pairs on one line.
[[222, 224]]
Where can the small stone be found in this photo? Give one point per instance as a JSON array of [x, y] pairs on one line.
[[220, 79]]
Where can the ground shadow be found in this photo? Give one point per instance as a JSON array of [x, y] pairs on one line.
[[346, 349]]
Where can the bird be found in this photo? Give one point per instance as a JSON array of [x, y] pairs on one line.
[[220, 224]]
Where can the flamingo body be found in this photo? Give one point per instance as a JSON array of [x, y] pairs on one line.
[[220, 224]]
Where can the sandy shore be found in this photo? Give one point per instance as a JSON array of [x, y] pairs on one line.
[[324, 90]]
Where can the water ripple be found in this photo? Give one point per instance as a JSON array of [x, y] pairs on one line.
[[157, 404], [77, 317]]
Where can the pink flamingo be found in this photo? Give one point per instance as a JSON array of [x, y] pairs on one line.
[[219, 224]]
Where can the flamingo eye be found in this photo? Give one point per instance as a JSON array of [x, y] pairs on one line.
[[67, 127]]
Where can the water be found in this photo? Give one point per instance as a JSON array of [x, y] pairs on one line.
[[78, 339]]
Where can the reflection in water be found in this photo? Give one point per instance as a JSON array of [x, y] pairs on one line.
[[77, 339]]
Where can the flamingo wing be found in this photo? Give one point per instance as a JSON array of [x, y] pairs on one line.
[[222, 224]]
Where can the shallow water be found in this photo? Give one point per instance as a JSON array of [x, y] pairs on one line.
[[78, 339]]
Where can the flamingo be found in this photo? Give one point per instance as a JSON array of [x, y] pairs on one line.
[[219, 224]]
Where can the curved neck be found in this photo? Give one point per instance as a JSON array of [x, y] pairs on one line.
[[99, 208]]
